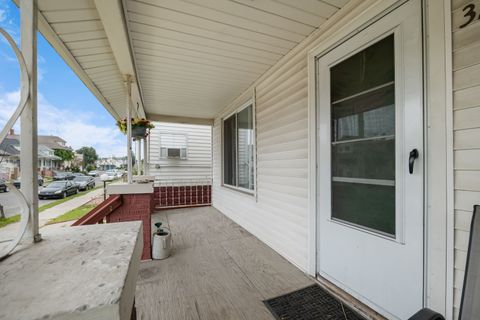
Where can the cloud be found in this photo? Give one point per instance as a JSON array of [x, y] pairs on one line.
[[74, 126], [3, 15]]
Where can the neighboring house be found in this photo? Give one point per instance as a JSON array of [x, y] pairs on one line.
[[110, 163], [47, 160], [76, 162], [9, 159], [180, 153]]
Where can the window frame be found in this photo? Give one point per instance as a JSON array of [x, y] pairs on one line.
[[253, 192], [166, 157]]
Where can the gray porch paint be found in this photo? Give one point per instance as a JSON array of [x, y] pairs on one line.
[[217, 271]]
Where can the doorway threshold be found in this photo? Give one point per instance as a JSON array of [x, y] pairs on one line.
[[349, 300]]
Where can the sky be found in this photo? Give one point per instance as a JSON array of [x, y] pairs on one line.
[[66, 107]]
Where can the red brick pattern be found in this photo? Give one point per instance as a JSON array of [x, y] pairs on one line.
[[136, 207], [182, 196]]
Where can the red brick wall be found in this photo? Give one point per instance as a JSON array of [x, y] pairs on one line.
[[137, 207], [182, 196]]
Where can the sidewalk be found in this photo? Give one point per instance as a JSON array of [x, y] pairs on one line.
[[8, 232], [62, 208]]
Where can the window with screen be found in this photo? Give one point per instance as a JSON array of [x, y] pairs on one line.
[[239, 149]]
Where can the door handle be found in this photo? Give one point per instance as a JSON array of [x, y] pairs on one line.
[[411, 160]]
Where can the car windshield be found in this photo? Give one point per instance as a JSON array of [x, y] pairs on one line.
[[81, 178], [57, 185]]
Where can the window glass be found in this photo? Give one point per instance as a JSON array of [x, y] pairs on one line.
[[230, 151], [363, 138], [245, 148], [238, 149]]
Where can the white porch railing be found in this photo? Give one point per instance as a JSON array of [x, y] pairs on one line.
[[181, 192]]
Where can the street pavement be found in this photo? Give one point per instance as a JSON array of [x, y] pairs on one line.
[[11, 205]]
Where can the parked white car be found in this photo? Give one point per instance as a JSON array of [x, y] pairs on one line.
[[93, 173], [112, 174]]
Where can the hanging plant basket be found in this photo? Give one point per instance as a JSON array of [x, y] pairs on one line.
[[139, 132], [140, 127]]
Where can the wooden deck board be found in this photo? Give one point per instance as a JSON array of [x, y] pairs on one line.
[[217, 271]]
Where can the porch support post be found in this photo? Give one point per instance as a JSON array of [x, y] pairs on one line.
[[147, 155], [28, 120], [128, 85], [139, 157]]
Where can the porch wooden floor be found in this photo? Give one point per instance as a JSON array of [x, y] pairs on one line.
[[217, 271]]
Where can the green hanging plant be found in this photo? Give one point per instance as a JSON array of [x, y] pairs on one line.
[[137, 123]]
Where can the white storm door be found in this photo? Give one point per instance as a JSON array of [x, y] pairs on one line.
[[370, 127]]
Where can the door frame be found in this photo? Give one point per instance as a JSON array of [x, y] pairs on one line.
[[438, 138]]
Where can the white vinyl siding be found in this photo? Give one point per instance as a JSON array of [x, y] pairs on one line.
[[197, 165], [466, 118], [279, 215]]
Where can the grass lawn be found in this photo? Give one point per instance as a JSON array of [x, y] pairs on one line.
[[7, 221], [73, 214]]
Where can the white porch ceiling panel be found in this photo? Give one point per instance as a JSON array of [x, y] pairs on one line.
[[193, 57], [79, 27]]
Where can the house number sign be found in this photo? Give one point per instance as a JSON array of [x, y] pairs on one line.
[[470, 14]]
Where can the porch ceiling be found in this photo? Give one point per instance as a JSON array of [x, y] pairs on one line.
[[195, 56], [76, 31], [189, 58]]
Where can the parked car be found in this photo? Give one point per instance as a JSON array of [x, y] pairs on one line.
[[63, 176], [3, 186], [93, 173], [58, 189], [112, 174], [84, 182], [17, 182], [78, 174]]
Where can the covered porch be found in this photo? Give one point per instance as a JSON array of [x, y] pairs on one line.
[[288, 140], [217, 270]]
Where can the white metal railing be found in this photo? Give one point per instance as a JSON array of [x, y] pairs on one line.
[[181, 182], [182, 192], [24, 97]]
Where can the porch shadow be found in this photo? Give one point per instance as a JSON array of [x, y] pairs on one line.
[[217, 271]]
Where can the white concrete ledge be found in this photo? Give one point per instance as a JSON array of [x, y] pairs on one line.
[[75, 273], [125, 188]]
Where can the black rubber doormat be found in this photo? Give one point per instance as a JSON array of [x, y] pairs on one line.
[[310, 303]]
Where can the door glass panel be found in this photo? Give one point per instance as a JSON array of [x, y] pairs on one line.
[[363, 138]]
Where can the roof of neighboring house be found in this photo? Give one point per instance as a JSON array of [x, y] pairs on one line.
[[53, 142], [45, 152], [10, 147]]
